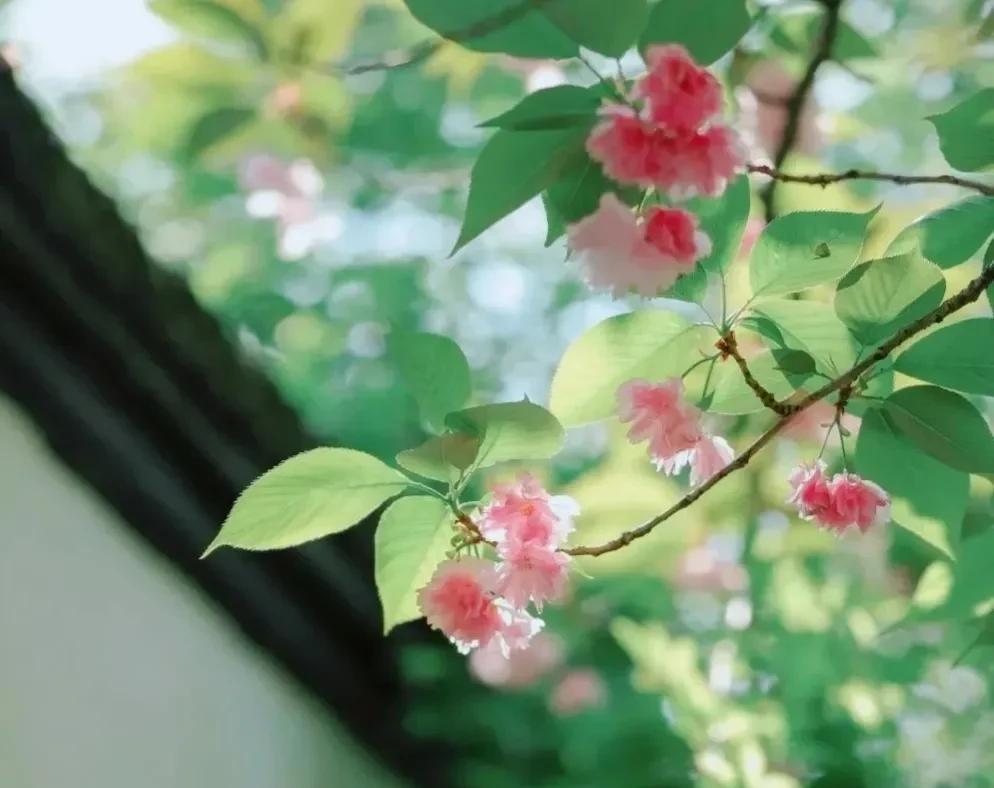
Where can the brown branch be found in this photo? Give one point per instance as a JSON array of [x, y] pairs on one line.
[[827, 178], [795, 104], [729, 346], [427, 48], [843, 383]]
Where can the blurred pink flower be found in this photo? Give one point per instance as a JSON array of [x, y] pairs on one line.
[[524, 512], [579, 689], [679, 95], [531, 572], [838, 503], [459, 601], [619, 254], [520, 667]]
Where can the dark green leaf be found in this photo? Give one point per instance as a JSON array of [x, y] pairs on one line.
[[966, 132], [435, 371], [552, 108], [214, 127], [878, 297], [951, 235], [513, 167], [610, 28], [928, 498], [945, 425], [958, 356], [790, 254], [708, 28]]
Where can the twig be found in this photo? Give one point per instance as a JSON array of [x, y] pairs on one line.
[[967, 295], [827, 178], [427, 48], [729, 346], [795, 104]]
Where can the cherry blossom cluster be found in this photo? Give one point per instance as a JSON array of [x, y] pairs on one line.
[[843, 501], [665, 138], [659, 414], [479, 603]]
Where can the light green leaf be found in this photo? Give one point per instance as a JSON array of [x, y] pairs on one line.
[[412, 539], [724, 220], [943, 424], [513, 167], [440, 457], [812, 327], [500, 26], [214, 127], [928, 498], [509, 431], [958, 356], [708, 28], [790, 253], [310, 495], [878, 297], [966, 132], [732, 394], [951, 235], [650, 344], [551, 108], [956, 597], [609, 28], [434, 370], [212, 20]]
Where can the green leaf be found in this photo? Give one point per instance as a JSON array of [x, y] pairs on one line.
[[558, 107], [440, 457], [499, 26], [988, 262], [708, 28], [928, 498], [790, 253], [214, 127], [724, 220], [211, 19], [509, 431], [434, 370], [732, 394], [878, 297], [951, 235], [310, 495], [958, 356], [812, 327], [513, 167], [966, 132], [412, 539], [945, 425], [610, 28], [650, 344]]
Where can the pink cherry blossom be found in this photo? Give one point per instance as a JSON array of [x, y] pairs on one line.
[[858, 502], [459, 601], [711, 454], [810, 492], [518, 628], [679, 95], [531, 572], [620, 254], [524, 512], [707, 160], [626, 146], [520, 667], [578, 690]]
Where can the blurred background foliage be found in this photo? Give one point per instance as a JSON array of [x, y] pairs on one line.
[[311, 201]]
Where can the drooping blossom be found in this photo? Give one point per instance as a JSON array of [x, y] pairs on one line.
[[846, 500], [707, 161], [579, 689], [679, 95], [659, 414], [460, 600], [618, 253], [858, 502], [519, 667], [531, 572]]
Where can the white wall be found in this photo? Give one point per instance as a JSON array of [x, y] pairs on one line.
[[115, 673]]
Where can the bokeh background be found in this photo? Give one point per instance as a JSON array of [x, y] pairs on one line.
[[309, 204]]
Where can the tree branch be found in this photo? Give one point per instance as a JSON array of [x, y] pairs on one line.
[[729, 346], [844, 382], [827, 178], [797, 100]]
